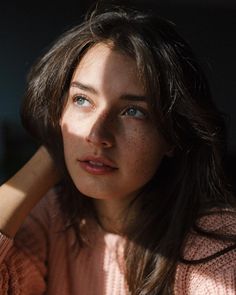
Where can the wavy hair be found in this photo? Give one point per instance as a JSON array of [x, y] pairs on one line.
[[187, 185]]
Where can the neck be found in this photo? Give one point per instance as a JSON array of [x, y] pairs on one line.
[[113, 214]]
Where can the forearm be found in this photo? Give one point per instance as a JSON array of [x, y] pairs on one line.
[[22, 192]]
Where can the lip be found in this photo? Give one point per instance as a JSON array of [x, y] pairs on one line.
[[105, 166]]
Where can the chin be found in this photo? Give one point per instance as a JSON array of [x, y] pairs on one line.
[[95, 193], [100, 194]]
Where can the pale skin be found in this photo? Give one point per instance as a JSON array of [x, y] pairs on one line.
[[106, 118], [22, 192]]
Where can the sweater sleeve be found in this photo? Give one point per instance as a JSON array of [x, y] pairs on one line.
[[214, 276], [23, 260], [217, 277]]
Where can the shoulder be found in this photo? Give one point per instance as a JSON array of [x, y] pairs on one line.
[[213, 233], [48, 206], [44, 216], [46, 211], [209, 263]]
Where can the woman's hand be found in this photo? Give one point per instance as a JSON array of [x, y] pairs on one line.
[[22, 192]]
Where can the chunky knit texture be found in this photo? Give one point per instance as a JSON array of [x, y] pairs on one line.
[[40, 259]]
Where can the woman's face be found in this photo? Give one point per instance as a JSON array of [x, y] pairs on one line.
[[112, 147]]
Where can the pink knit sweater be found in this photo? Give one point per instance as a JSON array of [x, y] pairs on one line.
[[40, 260]]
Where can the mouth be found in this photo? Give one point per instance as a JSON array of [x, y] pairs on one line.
[[97, 166]]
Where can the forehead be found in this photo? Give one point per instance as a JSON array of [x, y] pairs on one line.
[[102, 65]]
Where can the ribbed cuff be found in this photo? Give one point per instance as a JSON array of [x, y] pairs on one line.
[[5, 245]]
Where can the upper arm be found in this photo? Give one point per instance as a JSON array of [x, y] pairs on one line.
[[215, 277]]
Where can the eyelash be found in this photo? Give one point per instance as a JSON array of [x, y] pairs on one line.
[[137, 108], [77, 97]]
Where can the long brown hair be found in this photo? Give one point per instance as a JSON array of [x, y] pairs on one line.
[[186, 185]]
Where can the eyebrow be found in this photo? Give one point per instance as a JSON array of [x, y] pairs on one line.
[[126, 96]]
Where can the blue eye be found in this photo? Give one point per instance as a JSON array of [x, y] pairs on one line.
[[135, 112], [81, 101]]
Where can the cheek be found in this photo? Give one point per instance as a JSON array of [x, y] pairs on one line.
[[67, 134], [74, 122], [73, 129], [71, 138], [144, 152], [67, 145]]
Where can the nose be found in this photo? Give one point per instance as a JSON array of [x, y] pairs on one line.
[[101, 133]]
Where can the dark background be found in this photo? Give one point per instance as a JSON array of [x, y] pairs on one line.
[[28, 28]]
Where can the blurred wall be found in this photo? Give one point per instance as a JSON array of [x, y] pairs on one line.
[[26, 29]]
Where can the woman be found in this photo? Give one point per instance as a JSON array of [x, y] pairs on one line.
[[142, 206]]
